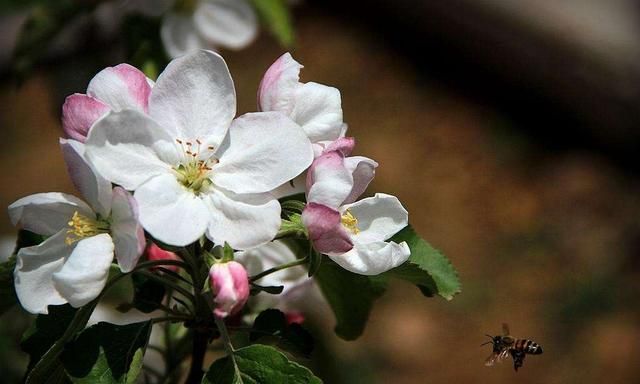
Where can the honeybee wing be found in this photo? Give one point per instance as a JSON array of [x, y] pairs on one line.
[[496, 356], [505, 329]]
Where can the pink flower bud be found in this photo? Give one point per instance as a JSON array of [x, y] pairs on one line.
[[230, 286], [294, 317], [153, 253]]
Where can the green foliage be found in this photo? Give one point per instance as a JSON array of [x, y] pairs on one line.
[[427, 267], [258, 364], [147, 293], [45, 330], [45, 21], [7, 290], [350, 296], [107, 353], [277, 18], [45, 340], [272, 324]]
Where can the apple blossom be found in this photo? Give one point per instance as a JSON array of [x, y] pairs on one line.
[[206, 24], [72, 264], [230, 286], [194, 168], [315, 107], [112, 89], [353, 234]]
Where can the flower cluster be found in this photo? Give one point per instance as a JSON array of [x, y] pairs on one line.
[[169, 164]]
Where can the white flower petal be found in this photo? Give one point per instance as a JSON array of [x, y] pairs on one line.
[[179, 35], [242, 220], [363, 170], [379, 217], [94, 188], [47, 213], [268, 256], [292, 187], [85, 272], [170, 212], [121, 87], [318, 110], [196, 96], [277, 88], [129, 148], [228, 23], [329, 182], [127, 234], [373, 258], [35, 267], [262, 151]]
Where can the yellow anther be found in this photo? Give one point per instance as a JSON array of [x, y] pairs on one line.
[[350, 222], [81, 227]]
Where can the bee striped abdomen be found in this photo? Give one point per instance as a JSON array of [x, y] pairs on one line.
[[528, 346]]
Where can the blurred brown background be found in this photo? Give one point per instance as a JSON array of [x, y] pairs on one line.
[[509, 129]]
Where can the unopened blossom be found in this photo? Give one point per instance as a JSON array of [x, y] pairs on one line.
[[155, 253], [298, 289], [353, 234], [194, 168], [72, 264], [230, 287], [208, 24], [112, 89], [316, 107]]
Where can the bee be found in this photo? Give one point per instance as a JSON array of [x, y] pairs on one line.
[[506, 345]]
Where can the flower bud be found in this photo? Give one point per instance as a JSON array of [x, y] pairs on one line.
[[154, 253], [230, 285]]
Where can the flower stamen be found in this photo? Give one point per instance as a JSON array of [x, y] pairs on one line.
[[350, 222], [193, 172], [82, 226]]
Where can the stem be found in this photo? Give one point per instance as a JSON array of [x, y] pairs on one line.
[[278, 268], [200, 341], [226, 341], [170, 318], [176, 287], [159, 263]]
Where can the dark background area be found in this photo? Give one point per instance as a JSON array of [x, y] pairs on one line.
[[507, 129]]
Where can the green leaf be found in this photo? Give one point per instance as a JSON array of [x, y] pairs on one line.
[[7, 290], [45, 340], [350, 296], [258, 364], [272, 324], [45, 330], [427, 267], [107, 353], [277, 18], [147, 293]]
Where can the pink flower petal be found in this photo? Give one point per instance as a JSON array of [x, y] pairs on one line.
[[325, 229], [343, 145], [230, 285], [79, 112], [121, 87], [277, 87]]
